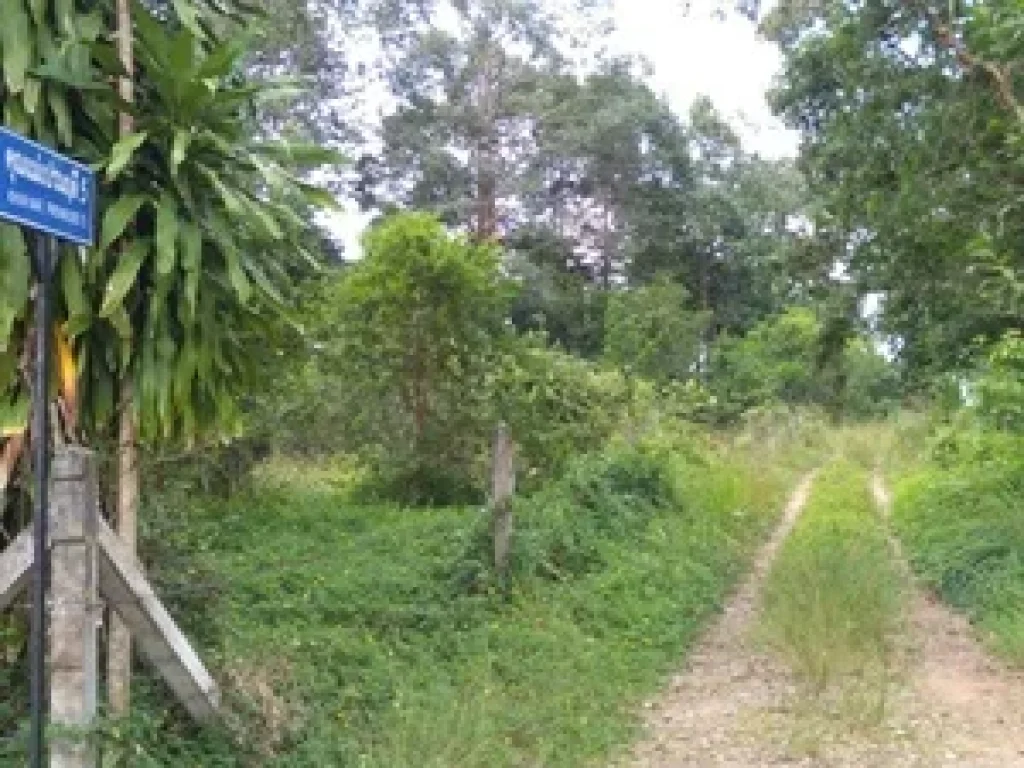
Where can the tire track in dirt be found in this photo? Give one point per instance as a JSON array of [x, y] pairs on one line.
[[969, 708], [734, 704], [694, 721]]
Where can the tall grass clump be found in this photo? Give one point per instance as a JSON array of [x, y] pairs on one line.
[[832, 599]]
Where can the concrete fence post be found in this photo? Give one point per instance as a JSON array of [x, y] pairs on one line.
[[503, 487], [74, 606]]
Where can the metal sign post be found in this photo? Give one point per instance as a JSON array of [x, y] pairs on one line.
[[43, 252], [52, 197]]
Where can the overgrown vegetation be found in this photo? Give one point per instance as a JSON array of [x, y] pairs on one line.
[[669, 325], [378, 636], [832, 599], [958, 509], [964, 531]]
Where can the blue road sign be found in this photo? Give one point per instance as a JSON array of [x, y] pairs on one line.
[[45, 191]]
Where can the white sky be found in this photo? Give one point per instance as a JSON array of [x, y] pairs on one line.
[[691, 54]]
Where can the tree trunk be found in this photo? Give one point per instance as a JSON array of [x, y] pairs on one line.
[[119, 648], [607, 244], [708, 334], [487, 150]]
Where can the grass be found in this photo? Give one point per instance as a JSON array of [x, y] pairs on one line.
[[963, 529], [831, 602], [375, 636]]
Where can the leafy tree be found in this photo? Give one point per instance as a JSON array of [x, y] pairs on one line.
[[1000, 388], [650, 333], [775, 362], [468, 95], [197, 231], [910, 143], [804, 357], [556, 297], [413, 327]]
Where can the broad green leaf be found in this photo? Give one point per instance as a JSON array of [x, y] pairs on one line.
[[15, 116], [183, 58], [179, 149], [17, 41], [239, 282], [90, 26], [189, 17], [121, 281], [319, 197], [153, 38], [117, 217], [191, 261], [38, 11], [14, 416], [8, 369], [72, 287], [122, 153], [65, 12], [299, 154], [261, 212], [191, 246], [15, 276], [61, 114], [231, 200], [122, 324], [57, 72], [268, 288], [33, 90], [222, 60], [166, 235]]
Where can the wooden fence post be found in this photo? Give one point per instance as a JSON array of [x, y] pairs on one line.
[[75, 607], [503, 487]]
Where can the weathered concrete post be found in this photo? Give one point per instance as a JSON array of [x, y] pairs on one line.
[[75, 607], [503, 487]]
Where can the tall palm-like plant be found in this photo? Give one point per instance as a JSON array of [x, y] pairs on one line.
[[201, 225]]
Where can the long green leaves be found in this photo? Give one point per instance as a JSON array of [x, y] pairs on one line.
[[14, 278], [197, 219]]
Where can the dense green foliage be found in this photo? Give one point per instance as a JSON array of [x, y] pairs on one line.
[[911, 142], [957, 507], [785, 359], [555, 249]]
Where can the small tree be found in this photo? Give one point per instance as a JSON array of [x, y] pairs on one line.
[[416, 321], [650, 332]]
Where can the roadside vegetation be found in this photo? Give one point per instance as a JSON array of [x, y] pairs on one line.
[[960, 511], [379, 635]]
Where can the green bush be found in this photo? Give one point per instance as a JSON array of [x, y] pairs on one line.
[[788, 359], [556, 406]]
